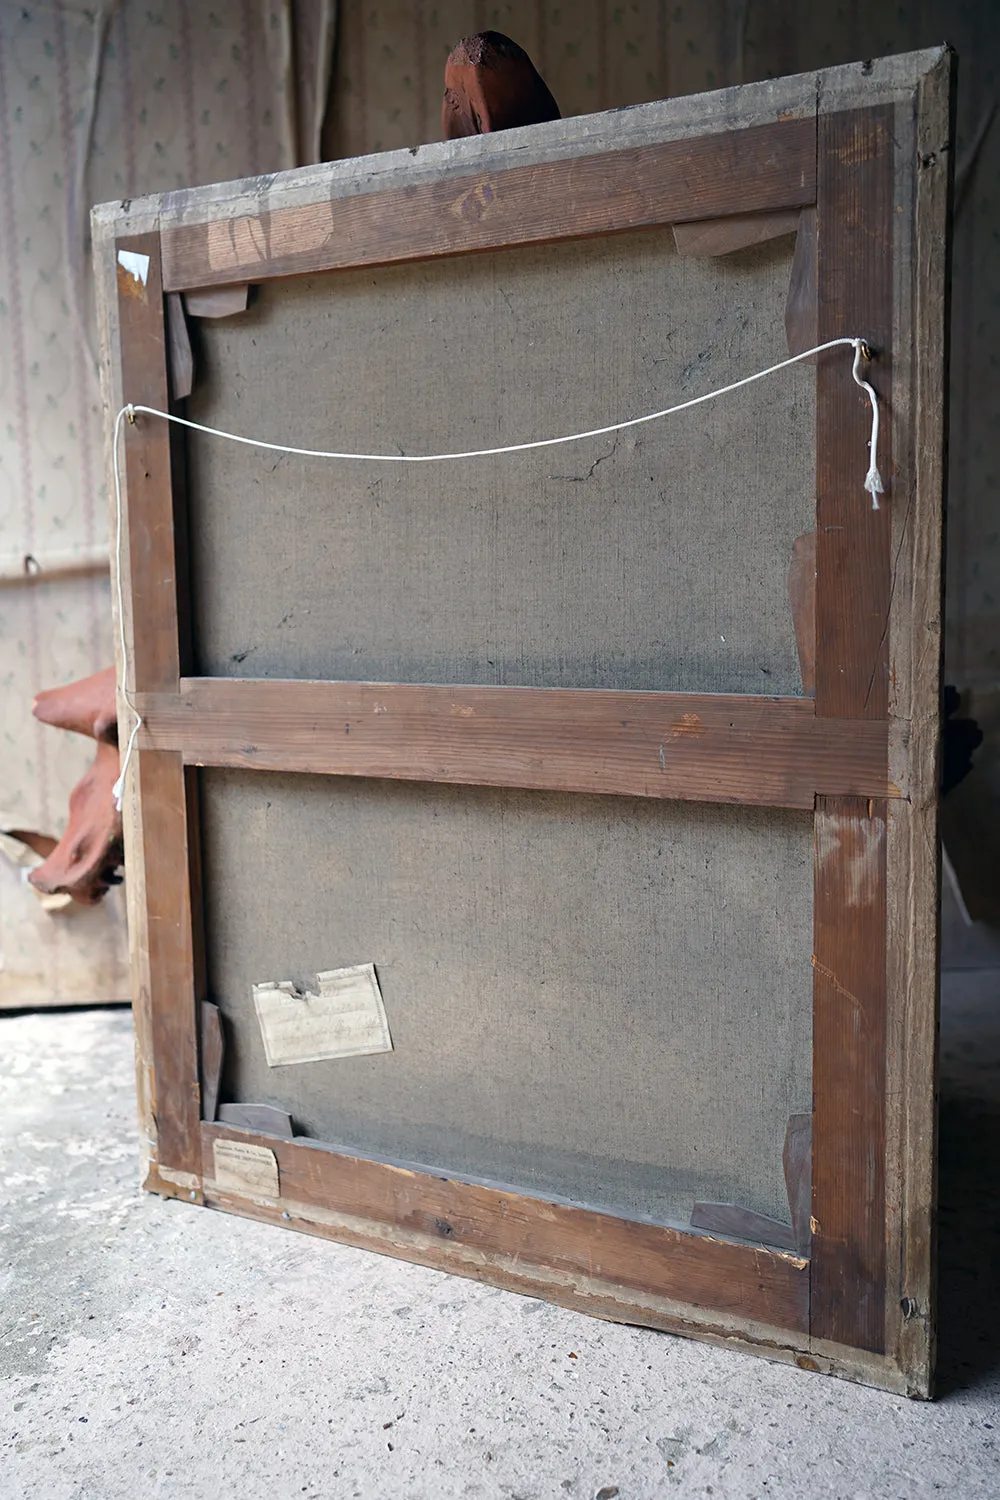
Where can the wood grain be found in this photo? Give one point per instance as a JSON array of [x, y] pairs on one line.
[[199, 959], [735, 232], [855, 261], [744, 1223], [261, 1118], [854, 296], [698, 747], [173, 1002], [107, 306], [458, 1225], [762, 168], [217, 301], [800, 308], [849, 1031], [797, 1161], [147, 491], [913, 847], [181, 353], [160, 873], [211, 1056]]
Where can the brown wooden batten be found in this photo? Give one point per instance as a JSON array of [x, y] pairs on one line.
[[697, 747], [453, 1224], [766, 167], [855, 232]]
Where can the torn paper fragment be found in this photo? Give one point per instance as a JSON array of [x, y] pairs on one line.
[[343, 1017], [135, 264], [251, 1171]]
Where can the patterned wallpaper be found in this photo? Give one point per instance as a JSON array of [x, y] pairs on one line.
[[98, 101]]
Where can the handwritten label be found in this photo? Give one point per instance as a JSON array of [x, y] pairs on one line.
[[343, 1017]]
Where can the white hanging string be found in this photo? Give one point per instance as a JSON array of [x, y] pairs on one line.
[[872, 484], [873, 479]]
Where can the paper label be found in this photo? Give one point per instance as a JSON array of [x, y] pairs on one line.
[[135, 264], [344, 1017], [251, 1171]]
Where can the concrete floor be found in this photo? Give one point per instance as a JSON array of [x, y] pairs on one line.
[[153, 1349]]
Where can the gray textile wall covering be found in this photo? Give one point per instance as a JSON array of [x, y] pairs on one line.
[[598, 998]]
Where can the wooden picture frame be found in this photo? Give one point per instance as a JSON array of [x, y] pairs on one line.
[[859, 159]]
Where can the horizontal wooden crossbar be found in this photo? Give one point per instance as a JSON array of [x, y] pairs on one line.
[[513, 1240], [734, 172], [687, 746]]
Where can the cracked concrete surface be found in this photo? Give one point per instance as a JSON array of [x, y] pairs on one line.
[[154, 1349]]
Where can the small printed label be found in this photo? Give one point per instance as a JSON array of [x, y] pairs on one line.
[[251, 1171], [343, 1017]]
